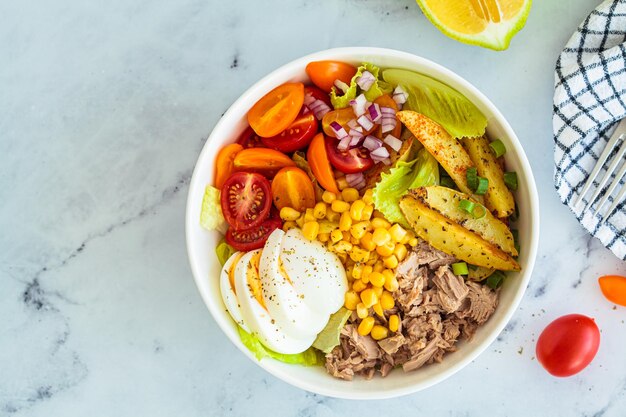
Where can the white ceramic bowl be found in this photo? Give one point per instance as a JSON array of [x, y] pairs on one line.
[[205, 266]]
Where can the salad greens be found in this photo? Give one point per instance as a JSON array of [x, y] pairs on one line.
[[422, 171], [310, 357], [376, 90], [440, 102], [224, 251], [328, 338], [211, 217]]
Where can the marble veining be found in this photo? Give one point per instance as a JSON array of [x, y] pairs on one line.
[[104, 107]]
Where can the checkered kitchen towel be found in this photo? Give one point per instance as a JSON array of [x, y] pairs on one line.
[[589, 100]]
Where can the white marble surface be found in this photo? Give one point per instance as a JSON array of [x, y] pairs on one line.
[[104, 107]]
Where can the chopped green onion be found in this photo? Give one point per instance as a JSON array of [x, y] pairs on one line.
[[495, 280], [447, 182], [471, 207], [510, 179], [460, 268], [483, 186], [472, 267], [472, 178], [515, 216], [515, 234], [498, 147], [481, 210]]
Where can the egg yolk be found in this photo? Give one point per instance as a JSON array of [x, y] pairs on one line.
[[254, 279]]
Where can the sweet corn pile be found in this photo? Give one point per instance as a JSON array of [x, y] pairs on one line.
[[369, 247]]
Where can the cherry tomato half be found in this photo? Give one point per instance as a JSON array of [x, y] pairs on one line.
[[291, 187], [246, 200], [249, 139], [224, 163], [341, 116], [318, 161], [297, 136], [276, 110], [317, 94], [253, 238], [262, 160], [614, 288], [568, 344], [324, 73], [350, 161]]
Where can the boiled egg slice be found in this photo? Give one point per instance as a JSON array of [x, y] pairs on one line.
[[227, 288]]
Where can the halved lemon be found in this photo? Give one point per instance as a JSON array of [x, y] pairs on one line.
[[487, 23]]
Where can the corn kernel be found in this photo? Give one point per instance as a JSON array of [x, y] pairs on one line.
[[366, 325], [359, 255], [394, 322], [349, 272], [343, 247], [380, 236], [300, 221], [413, 242], [368, 297], [351, 299], [378, 222], [289, 214], [367, 212], [368, 196], [377, 279], [367, 271], [367, 242], [379, 332], [350, 194], [345, 221], [354, 240], [386, 300], [378, 215], [328, 197], [358, 285], [387, 249], [310, 230], [392, 284], [308, 215], [319, 211], [357, 271], [346, 236], [342, 183], [379, 266], [391, 261], [361, 311], [397, 233], [378, 291], [356, 210], [289, 225], [340, 206], [378, 309], [336, 235], [323, 237], [405, 240], [373, 258], [332, 216], [358, 230], [389, 274], [400, 251], [343, 257]]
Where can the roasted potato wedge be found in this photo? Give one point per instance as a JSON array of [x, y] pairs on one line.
[[498, 198], [478, 273], [450, 237], [446, 202], [446, 149]]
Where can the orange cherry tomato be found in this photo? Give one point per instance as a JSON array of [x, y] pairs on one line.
[[387, 101], [614, 288], [324, 73], [318, 161], [261, 160], [276, 110], [224, 163], [341, 116], [291, 187]]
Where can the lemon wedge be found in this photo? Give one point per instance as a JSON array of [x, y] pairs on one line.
[[486, 23]]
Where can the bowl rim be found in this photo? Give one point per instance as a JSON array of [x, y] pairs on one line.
[[533, 232]]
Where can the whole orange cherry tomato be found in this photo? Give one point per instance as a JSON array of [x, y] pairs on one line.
[[224, 163], [276, 110], [318, 161], [291, 187], [324, 73], [614, 288], [261, 160]]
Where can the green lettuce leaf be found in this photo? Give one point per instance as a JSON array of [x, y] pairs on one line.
[[376, 90], [423, 171], [440, 102], [211, 217], [310, 357], [224, 251], [328, 338]]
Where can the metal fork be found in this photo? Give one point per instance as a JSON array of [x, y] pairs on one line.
[[618, 134]]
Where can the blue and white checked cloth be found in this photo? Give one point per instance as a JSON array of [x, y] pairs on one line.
[[589, 100]]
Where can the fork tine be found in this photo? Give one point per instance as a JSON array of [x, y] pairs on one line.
[[612, 187], [616, 202], [609, 170], [617, 133]]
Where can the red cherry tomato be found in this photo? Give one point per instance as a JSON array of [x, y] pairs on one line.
[[349, 162], [249, 139], [297, 136], [253, 238], [568, 344], [246, 200], [317, 94]]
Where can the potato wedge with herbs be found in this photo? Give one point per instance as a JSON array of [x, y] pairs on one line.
[[446, 202], [498, 198], [446, 149], [450, 237], [479, 273]]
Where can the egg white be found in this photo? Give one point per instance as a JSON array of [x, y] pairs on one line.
[[228, 293]]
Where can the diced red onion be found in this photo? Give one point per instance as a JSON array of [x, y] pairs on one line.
[[317, 106], [365, 122], [372, 143], [400, 96], [355, 141], [358, 105], [308, 99], [386, 161], [379, 154], [374, 111], [341, 85], [393, 142], [344, 144], [366, 80], [352, 124], [340, 132], [389, 119], [356, 133], [306, 110], [356, 180]]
